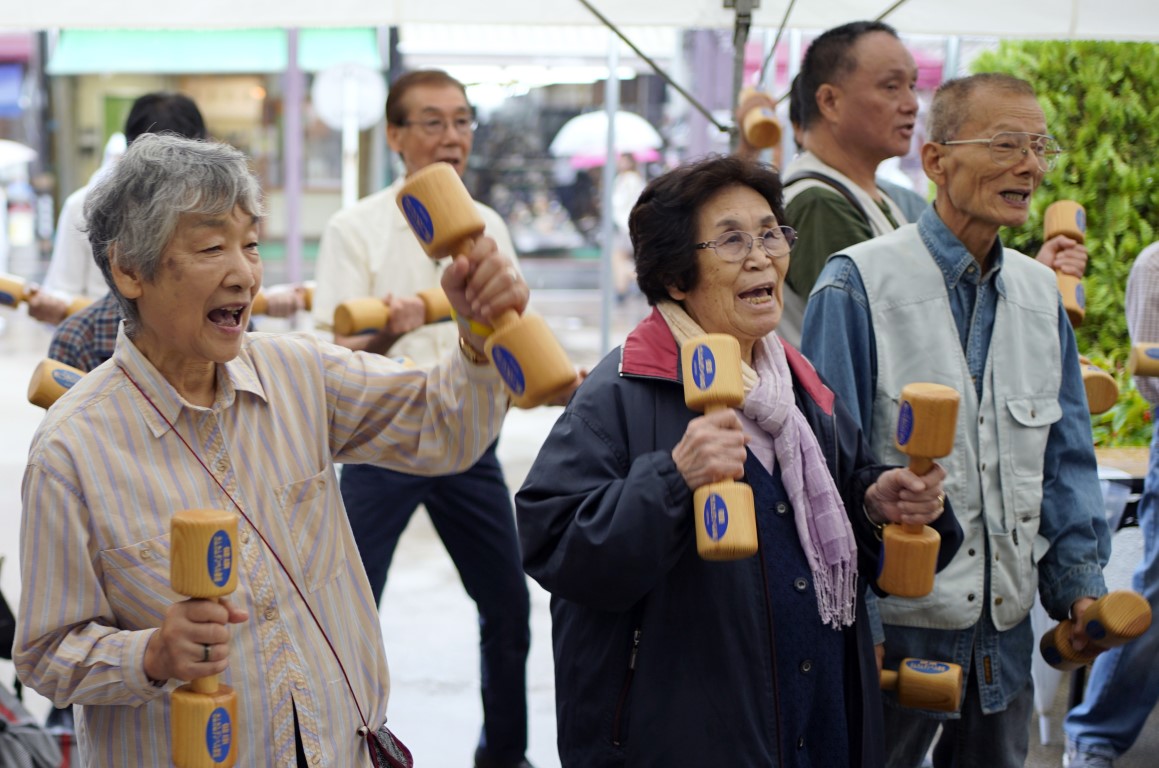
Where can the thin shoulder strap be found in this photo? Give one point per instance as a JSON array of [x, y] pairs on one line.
[[836, 185]]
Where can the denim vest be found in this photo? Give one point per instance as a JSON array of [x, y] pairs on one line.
[[995, 471]]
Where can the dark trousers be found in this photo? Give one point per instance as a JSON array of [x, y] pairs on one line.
[[473, 516]]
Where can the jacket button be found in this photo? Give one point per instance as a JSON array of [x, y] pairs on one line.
[[997, 601], [807, 666], [971, 553], [970, 597], [782, 508], [801, 743], [800, 584]]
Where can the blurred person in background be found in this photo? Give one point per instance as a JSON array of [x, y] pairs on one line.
[[1123, 686], [369, 250]]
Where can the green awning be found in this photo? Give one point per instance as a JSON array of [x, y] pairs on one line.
[[215, 52]]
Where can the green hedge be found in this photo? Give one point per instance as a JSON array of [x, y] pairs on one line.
[[1101, 101]]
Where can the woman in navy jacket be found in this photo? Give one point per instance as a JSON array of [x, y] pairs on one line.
[[663, 658]]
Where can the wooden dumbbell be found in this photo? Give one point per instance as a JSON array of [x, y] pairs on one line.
[[202, 565], [761, 127], [442, 215], [726, 523], [1056, 649], [1101, 388], [369, 315], [1114, 619], [14, 290], [1143, 359], [1066, 217], [261, 302], [50, 380], [923, 684], [926, 422], [1117, 618]]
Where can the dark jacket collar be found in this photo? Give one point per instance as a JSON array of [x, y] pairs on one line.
[[650, 351]]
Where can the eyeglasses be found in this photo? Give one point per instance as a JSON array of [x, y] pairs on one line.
[[736, 245], [1009, 147], [437, 126]]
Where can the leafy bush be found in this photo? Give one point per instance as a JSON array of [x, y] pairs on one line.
[[1101, 101]]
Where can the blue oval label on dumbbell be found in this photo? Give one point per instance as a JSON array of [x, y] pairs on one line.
[[1151, 352], [1051, 655], [1080, 219], [219, 558], [65, 378], [218, 735], [509, 369], [7, 299], [1096, 630], [905, 423], [703, 367], [715, 517], [927, 667], [1080, 296], [418, 217]]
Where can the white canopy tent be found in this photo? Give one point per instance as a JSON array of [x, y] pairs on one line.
[[639, 20], [1076, 19]]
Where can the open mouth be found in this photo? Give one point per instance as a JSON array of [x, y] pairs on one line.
[[759, 295], [1015, 197], [227, 317]]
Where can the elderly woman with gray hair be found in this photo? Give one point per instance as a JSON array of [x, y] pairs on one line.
[[193, 412]]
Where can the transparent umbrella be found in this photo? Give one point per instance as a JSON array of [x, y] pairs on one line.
[[15, 153], [587, 135]]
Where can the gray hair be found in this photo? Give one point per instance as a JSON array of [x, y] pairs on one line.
[[952, 101], [132, 213]]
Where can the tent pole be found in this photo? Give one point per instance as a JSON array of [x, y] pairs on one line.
[[608, 180], [292, 99]]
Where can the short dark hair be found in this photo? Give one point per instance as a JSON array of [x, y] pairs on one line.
[[161, 112], [395, 106], [951, 106], [663, 221], [829, 59]]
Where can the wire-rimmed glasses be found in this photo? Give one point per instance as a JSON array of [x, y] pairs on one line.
[[437, 126], [1009, 147], [736, 245]]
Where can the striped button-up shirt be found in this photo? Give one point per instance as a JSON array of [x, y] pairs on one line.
[[1143, 311], [105, 475]]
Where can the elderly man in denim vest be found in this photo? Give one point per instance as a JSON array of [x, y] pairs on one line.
[[943, 301]]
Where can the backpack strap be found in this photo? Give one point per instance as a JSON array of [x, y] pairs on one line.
[[837, 186]]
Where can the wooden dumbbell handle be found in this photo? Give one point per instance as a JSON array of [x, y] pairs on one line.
[[919, 465]]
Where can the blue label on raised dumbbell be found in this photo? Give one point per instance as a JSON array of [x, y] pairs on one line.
[[1152, 352], [509, 369], [1080, 296], [927, 667], [1096, 630], [65, 378], [905, 423], [1080, 219], [7, 299], [418, 217], [703, 367], [219, 558], [715, 517], [218, 735]]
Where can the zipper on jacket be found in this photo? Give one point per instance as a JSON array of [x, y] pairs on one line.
[[622, 701]]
